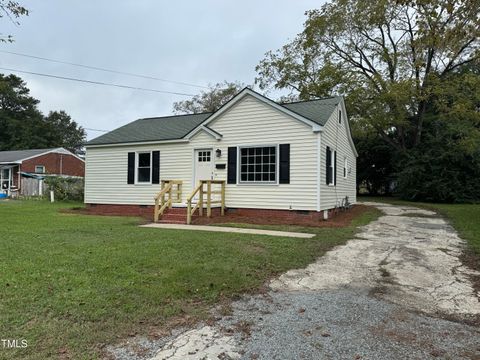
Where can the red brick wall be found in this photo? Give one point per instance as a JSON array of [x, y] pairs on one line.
[[59, 164], [146, 211]]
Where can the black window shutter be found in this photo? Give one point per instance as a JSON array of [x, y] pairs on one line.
[[335, 168], [155, 167], [284, 164], [232, 165], [328, 172], [131, 168]]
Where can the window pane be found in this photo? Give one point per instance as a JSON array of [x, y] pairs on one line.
[[144, 174], [258, 164], [144, 159]]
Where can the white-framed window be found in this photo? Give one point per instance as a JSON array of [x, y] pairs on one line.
[[258, 164], [144, 168], [331, 164], [345, 167], [204, 156], [39, 169]]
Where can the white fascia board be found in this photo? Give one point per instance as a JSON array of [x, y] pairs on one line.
[[137, 143], [57, 150], [349, 132], [202, 127]]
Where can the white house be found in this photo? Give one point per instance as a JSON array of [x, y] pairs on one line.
[[297, 157]]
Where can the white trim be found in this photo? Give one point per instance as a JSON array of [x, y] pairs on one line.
[[139, 143], [247, 92], [347, 124], [319, 170], [210, 132], [137, 153], [333, 164], [40, 166], [277, 165], [57, 151]]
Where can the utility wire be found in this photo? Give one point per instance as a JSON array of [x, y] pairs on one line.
[[90, 129], [95, 82], [103, 69]]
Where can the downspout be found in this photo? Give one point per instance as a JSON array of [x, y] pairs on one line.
[[19, 187], [319, 168]]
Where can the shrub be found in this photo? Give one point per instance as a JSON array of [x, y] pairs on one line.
[[66, 188]]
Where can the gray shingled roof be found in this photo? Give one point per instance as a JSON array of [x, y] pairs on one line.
[[18, 155], [152, 129], [176, 127], [318, 111]]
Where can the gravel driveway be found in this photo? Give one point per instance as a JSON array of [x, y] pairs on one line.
[[396, 291]]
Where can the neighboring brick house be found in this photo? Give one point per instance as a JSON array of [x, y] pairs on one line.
[[41, 162]]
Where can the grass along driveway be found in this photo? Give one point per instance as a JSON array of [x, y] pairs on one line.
[[71, 283]]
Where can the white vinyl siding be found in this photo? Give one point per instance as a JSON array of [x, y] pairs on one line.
[[335, 136], [248, 123]]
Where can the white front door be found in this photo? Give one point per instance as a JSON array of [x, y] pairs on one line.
[[203, 165]]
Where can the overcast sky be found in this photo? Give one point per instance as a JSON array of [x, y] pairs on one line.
[[198, 42]]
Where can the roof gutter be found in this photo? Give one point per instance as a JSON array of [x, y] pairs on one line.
[[133, 143]]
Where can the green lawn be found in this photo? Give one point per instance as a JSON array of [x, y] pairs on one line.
[[70, 283], [465, 218]]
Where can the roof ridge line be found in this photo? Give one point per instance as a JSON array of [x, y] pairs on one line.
[[180, 115], [304, 101]]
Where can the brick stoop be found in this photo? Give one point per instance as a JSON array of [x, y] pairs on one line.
[[174, 216], [178, 215]]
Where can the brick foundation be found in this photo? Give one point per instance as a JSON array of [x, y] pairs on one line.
[[288, 215], [146, 211]]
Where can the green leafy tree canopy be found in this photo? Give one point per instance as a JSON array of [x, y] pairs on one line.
[[23, 126], [388, 57], [209, 100]]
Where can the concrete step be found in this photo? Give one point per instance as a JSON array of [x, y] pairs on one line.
[[164, 221]]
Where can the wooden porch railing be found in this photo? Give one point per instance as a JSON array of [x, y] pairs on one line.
[[171, 192], [201, 198]]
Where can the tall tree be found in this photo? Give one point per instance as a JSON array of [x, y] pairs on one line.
[[64, 132], [23, 126], [388, 57], [208, 100], [13, 11]]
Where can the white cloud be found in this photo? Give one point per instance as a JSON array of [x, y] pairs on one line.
[[191, 41]]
